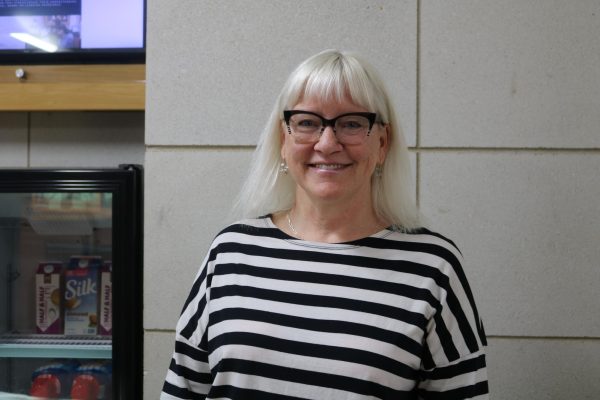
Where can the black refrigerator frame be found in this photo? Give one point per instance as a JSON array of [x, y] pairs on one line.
[[126, 185]]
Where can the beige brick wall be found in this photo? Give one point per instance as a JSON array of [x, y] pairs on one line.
[[499, 104], [71, 139]]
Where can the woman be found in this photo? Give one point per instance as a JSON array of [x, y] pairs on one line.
[[335, 293]]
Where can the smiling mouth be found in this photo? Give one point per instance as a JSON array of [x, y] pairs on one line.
[[330, 167]]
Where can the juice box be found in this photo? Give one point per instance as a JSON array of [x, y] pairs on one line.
[[106, 299], [81, 295], [48, 310]]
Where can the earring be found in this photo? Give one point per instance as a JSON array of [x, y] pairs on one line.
[[283, 168], [378, 171]]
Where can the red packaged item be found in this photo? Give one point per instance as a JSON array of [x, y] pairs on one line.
[[92, 381], [46, 386], [85, 387], [52, 381]]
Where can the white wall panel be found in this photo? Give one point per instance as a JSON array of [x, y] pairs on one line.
[[215, 68], [158, 349], [188, 199], [528, 224], [543, 369], [13, 139], [493, 75], [510, 73], [87, 139]]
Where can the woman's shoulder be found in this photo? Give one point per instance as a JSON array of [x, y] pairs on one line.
[[260, 226], [422, 240], [421, 234]]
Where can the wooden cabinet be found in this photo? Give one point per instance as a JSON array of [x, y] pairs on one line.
[[73, 87]]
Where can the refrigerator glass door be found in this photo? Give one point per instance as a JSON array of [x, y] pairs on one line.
[[56, 252]]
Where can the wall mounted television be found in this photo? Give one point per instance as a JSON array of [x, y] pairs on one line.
[[72, 31]]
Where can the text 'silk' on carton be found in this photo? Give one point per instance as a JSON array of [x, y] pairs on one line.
[[81, 295], [48, 313], [106, 299]]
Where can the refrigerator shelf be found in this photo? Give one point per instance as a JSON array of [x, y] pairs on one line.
[[55, 346]]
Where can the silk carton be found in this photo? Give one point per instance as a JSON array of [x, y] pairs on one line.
[[81, 295]]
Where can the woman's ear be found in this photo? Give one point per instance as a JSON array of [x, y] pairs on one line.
[[282, 131], [384, 142]]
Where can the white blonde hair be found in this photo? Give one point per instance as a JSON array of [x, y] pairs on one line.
[[331, 75]]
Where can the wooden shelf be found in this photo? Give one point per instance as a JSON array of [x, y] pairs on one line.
[[73, 88]]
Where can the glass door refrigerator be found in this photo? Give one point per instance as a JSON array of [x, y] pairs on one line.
[[71, 283]]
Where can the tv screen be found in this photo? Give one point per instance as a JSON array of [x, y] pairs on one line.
[[72, 31]]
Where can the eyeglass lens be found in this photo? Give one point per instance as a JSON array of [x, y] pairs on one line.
[[349, 129]]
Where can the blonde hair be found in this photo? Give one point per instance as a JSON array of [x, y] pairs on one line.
[[331, 75]]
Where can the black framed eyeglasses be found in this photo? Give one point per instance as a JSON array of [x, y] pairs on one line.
[[349, 128]]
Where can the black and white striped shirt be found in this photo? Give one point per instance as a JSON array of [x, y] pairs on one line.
[[390, 316]]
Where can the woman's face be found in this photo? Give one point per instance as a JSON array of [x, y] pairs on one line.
[[328, 171]]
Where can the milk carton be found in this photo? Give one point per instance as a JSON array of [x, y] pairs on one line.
[[81, 295], [106, 299], [48, 310]]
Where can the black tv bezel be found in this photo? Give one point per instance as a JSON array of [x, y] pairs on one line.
[[135, 55], [100, 56]]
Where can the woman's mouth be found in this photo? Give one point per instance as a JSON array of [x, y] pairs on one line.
[[328, 167]]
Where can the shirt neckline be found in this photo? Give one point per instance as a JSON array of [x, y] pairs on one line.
[[339, 245]]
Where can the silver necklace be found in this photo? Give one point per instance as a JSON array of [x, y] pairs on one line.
[[290, 224]]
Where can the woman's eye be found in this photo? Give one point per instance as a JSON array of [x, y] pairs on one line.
[[351, 125], [307, 123]]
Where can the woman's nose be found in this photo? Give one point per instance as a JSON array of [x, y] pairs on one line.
[[328, 141]]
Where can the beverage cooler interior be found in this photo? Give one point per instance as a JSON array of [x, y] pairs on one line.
[[56, 294]]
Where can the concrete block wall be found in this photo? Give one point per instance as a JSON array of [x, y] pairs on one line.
[[498, 101], [71, 139]]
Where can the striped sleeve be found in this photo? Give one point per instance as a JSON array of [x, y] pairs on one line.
[[454, 367], [188, 376], [464, 378]]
